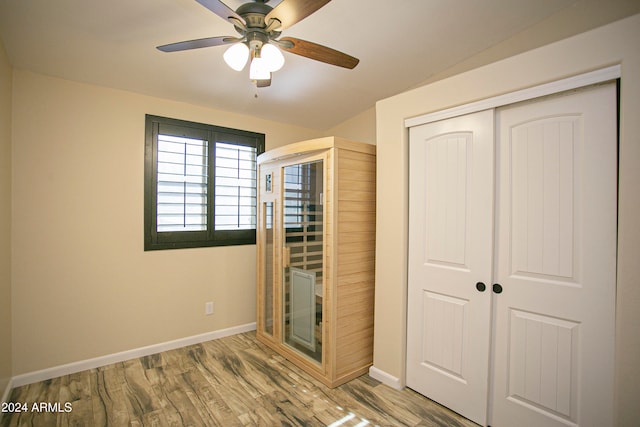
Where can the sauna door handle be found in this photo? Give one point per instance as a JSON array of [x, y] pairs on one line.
[[286, 256]]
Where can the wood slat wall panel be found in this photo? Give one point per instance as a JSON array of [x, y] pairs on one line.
[[358, 155], [349, 217], [356, 260], [362, 163], [366, 225], [356, 256], [367, 186], [358, 206], [357, 196], [355, 175], [356, 267], [352, 247], [357, 237], [362, 276]]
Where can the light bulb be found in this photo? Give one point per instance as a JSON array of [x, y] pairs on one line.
[[273, 57], [236, 56], [258, 70]]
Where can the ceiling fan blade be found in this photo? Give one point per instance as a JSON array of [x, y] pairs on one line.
[[318, 52], [197, 44], [222, 10], [288, 12]]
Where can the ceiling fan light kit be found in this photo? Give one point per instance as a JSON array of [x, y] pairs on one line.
[[258, 69], [236, 56], [260, 25], [272, 56]]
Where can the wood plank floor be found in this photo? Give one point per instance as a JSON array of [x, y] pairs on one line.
[[233, 381]]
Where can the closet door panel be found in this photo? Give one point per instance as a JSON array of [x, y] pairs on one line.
[[450, 241], [556, 252], [542, 189]]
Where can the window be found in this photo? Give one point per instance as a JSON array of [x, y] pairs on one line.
[[200, 184]]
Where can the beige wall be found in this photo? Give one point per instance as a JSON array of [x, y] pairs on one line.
[[361, 127], [5, 221], [82, 285], [617, 43]]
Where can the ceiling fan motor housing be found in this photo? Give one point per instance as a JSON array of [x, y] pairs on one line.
[[259, 8], [254, 13], [255, 32]]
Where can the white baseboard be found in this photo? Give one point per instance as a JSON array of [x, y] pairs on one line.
[[83, 365], [7, 391], [5, 395], [385, 378]]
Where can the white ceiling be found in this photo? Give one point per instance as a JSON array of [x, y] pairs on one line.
[[399, 43]]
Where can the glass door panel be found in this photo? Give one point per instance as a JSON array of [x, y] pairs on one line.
[[267, 215], [303, 257]]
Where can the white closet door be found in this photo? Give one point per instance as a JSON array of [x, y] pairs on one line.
[[450, 251], [556, 261]]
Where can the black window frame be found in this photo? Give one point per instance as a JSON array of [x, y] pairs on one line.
[[154, 240]]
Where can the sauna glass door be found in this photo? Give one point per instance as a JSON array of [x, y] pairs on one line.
[[302, 257], [267, 273]]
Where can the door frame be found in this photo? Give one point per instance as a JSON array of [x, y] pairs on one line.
[[575, 82], [607, 74]]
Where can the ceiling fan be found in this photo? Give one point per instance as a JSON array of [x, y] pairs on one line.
[[260, 27]]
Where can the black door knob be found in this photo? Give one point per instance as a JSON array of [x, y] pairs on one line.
[[497, 288], [480, 286]]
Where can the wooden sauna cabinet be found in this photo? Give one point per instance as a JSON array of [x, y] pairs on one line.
[[316, 255]]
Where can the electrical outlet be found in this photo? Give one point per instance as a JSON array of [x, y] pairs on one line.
[[208, 308]]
